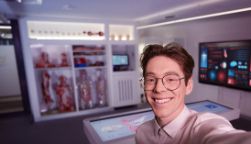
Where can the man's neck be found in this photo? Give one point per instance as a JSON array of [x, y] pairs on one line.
[[166, 120]]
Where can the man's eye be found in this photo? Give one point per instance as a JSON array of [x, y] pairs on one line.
[[150, 80], [170, 80]]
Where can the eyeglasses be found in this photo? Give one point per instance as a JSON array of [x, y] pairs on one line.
[[170, 82]]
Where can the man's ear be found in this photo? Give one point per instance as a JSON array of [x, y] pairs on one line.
[[189, 86]]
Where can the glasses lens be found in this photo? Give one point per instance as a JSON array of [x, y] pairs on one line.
[[171, 82], [149, 82]]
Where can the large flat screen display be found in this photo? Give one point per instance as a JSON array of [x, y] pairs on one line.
[[208, 106], [226, 63]]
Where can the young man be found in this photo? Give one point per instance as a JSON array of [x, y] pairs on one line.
[[167, 79]]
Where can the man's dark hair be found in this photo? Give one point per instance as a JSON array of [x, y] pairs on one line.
[[172, 50]]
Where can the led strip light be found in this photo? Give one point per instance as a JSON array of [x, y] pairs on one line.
[[195, 18], [5, 27]]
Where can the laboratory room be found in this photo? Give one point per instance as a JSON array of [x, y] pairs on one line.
[[125, 72]]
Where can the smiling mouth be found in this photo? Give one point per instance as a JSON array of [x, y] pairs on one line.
[[162, 101]]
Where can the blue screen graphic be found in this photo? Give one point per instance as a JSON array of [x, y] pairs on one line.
[[120, 60], [203, 63]]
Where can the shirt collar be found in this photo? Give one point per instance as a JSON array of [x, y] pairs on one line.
[[174, 126]]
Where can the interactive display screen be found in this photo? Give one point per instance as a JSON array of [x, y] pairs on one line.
[[118, 127], [120, 60], [226, 63], [121, 126], [208, 106]]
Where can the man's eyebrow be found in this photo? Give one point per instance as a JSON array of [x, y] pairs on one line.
[[171, 73], [166, 73], [150, 73]]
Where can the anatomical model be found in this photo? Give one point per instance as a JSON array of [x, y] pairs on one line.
[[46, 85], [43, 61], [100, 88], [64, 60], [85, 90], [64, 95]]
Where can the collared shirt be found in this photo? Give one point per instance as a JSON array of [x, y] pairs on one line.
[[190, 127]]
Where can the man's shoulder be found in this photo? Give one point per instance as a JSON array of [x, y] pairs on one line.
[[205, 116], [145, 132], [211, 121], [148, 125]]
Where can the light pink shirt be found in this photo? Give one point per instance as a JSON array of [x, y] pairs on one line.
[[191, 127]]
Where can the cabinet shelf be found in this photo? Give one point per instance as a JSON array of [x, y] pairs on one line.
[[88, 56], [88, 53], [45, 30], [53, 68], [90, 67]]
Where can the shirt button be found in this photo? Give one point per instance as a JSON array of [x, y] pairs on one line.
[[160, 132]]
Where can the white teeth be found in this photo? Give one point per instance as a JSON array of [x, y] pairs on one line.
[[161, 101]]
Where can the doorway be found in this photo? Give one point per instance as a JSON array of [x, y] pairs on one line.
[[13, 87]]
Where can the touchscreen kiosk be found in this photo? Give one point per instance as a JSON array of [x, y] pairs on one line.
[[116, 129], [213, 107], [120, 128]]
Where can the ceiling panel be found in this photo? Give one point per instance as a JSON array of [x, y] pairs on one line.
[[144, 11]]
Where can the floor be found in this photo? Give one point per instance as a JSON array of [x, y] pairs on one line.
[[242, 123], [19, 129]]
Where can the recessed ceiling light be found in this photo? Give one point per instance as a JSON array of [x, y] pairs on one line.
[[19, 1], [68, 7]]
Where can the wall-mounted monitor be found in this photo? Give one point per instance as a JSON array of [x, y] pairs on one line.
[[226, 63], [120, 62]]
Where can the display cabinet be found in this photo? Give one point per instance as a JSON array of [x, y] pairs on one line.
[[71, 71], [90, 73], [52, 68], [125, 75]]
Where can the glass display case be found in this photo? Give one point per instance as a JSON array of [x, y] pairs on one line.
[[90, 71], [70, 71], [52, 66]]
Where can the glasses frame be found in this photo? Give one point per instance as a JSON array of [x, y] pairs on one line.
[[142, 83]]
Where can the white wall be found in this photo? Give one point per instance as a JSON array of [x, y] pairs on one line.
[[9, 81], [231, 27]]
